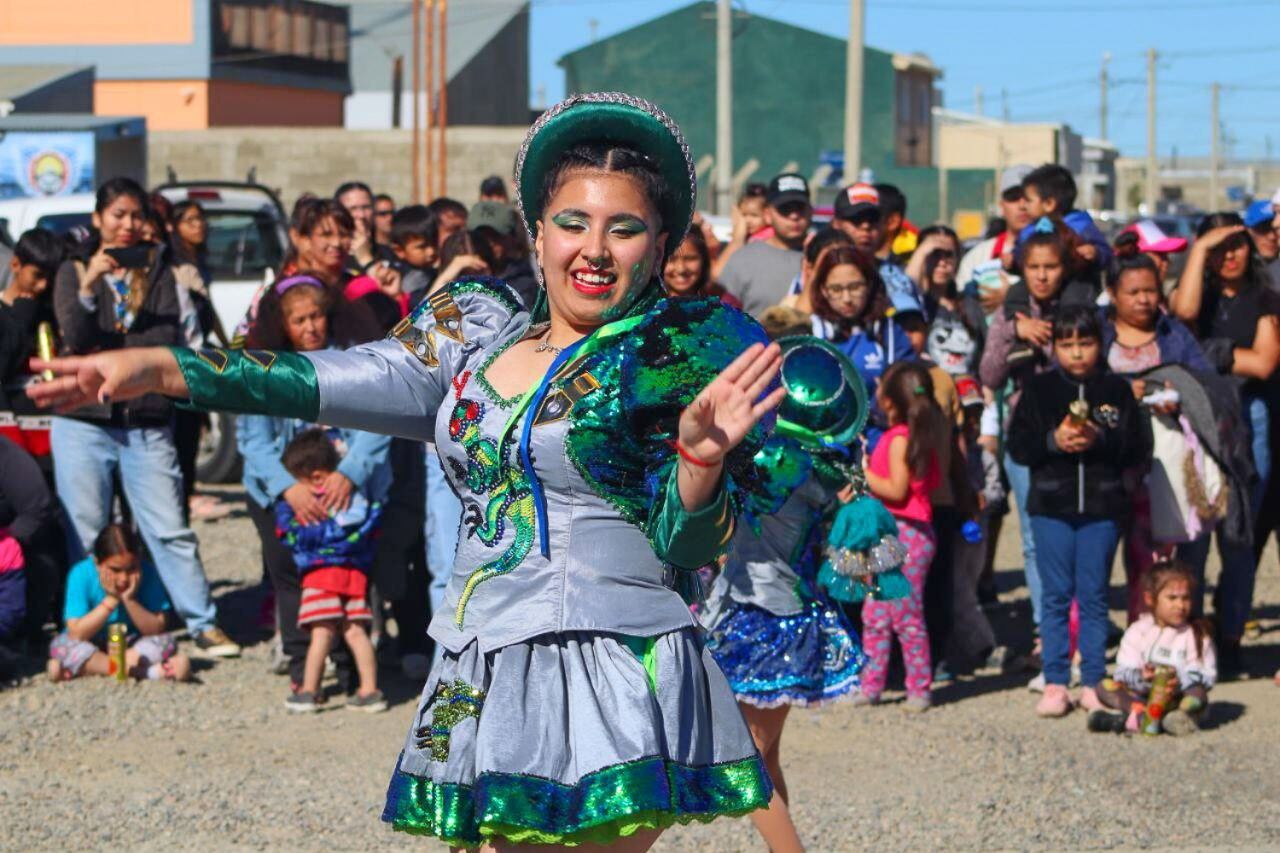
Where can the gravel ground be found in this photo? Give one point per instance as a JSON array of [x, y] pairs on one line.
[[221, 765]]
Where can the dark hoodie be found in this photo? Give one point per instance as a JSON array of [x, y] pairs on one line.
[[1078, 484]]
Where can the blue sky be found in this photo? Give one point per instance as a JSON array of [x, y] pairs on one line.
[[1046, 56]]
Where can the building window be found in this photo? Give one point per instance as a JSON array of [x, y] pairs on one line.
[[913, 125]]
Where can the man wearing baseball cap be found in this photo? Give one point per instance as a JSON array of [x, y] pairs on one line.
[[857, 213], [1264, 226], [761, 272], [1013, 210]]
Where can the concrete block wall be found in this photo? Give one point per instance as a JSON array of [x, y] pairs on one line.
[[297, 160]]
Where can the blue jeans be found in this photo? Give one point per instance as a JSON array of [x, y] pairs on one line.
[[84, 458], [1075, 563], [1020, 482], [1233, 598], [444, 515]]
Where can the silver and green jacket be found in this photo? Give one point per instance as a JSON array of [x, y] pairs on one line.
[[571, 516]]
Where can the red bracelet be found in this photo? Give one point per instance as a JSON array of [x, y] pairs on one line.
[[689, 457]]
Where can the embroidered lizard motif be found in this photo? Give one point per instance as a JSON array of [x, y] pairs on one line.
[[509, 498], [454, 703]]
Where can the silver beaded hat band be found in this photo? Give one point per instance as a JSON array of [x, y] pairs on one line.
[[613, 117]]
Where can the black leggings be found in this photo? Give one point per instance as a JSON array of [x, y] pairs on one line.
[[278, 564]]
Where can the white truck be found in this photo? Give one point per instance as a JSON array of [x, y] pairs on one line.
[[246, 243]]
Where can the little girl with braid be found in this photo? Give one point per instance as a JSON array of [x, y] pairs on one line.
[[901, 472]]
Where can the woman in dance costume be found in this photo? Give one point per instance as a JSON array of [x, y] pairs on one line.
[[602, 447], [778, 637]]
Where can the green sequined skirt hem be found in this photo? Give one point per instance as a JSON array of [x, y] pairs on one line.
[[611, 803]]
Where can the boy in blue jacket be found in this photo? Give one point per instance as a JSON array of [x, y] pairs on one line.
[[334, 557]]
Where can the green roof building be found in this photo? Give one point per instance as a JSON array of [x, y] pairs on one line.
[[788, 103]]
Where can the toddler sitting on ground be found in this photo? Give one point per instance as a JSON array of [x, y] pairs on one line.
[[115, 585], [1163, 637]]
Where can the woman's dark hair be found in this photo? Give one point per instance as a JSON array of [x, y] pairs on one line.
[[615, 159], [308, 213], [114, 540], [178, 211], [1167, 571], [823, 240], [878, 303], [1072, 321], [698, 240], [347, 187], [268, 330], [1255, 274], [1127, 263], [909, 387], [117, 187], [945, 230], [466, 242], [1126, 245], [1061, 240], [350, 322]]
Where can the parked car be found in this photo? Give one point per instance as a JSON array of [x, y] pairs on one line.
[[246, 243]]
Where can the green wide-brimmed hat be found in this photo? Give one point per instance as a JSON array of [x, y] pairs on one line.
[[616, 118], [826, 400]]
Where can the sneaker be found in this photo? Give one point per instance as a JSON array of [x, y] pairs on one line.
[[942, 674], [279, 660], [862, 700], [215, 643], [415, 667], [303, 703], [1106, 721], [1089, 700], [1036, 685], [1179, 723], [918, 704], [1055, 702], [370, 704], [999, 660]]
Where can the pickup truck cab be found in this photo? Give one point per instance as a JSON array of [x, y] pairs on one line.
[[246, 243]]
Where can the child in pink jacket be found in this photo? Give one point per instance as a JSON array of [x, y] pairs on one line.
[[1164, 636]]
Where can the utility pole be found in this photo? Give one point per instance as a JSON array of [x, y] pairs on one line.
[[444, 93], [853, 93], [1153, 179], [1103, 84], [1214, 90], [416, 146], [429, 48], [977, 100], [1004, 104], [724, 107]]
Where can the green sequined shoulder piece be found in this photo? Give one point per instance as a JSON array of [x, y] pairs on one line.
[[620, 434]]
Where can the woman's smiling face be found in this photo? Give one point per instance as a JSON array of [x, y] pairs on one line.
[[599, 244]]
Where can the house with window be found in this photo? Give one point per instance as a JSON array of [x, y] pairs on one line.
[[788, 103], [192, 64]]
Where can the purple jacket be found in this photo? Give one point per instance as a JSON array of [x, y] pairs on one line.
[[1176, 343]]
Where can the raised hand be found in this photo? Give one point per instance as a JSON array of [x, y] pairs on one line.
[[729, 406]]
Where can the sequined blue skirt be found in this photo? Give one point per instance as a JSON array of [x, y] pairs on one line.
[[808, 658]]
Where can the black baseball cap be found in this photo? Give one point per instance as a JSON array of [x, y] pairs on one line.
[[787, 188], [857, 200]]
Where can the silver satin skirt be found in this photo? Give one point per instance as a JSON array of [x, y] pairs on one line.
[[575, 737]]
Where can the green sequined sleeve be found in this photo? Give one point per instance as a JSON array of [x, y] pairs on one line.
[[689, 540], [279, 384]]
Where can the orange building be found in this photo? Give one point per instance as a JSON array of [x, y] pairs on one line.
[[193, 64]]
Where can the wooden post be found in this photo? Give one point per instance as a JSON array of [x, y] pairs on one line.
[[443, 118], [430, 87], [415, 146]]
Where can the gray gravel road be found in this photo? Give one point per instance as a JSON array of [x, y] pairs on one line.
[[221, 765]]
